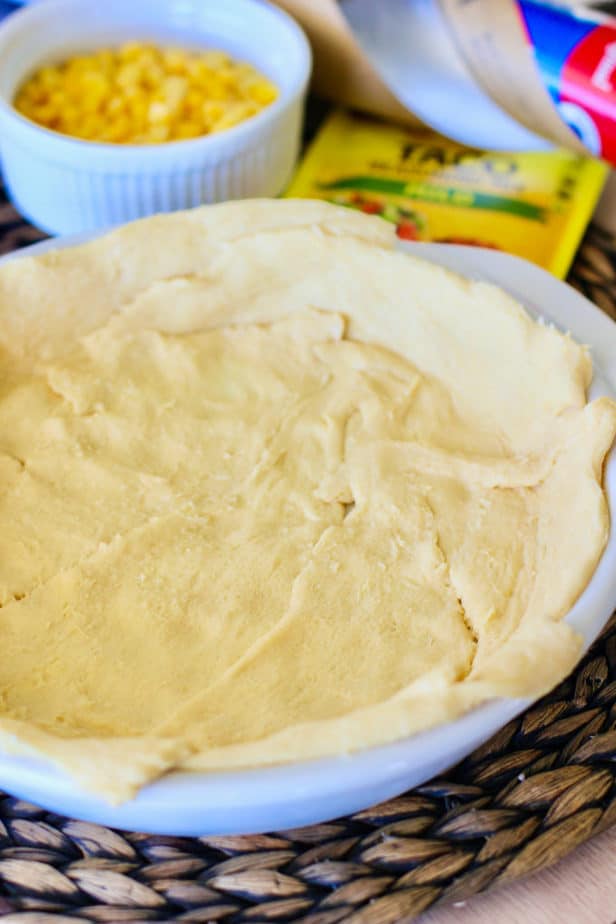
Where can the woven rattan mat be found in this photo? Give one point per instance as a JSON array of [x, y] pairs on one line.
[[541, 786]]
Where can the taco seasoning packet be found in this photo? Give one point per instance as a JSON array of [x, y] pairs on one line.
[[532, 204]]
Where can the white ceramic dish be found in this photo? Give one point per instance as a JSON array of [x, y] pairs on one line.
[[310, 792], [65, 185]]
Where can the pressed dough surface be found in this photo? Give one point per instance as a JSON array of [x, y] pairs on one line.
[[271, 490]]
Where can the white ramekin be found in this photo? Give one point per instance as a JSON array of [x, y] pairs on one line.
[[65, 185]]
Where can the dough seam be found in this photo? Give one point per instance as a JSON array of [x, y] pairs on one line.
[[466, 619]]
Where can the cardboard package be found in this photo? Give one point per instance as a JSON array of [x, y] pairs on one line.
[[343, 73]]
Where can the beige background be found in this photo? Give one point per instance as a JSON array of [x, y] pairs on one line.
[[581, 889]]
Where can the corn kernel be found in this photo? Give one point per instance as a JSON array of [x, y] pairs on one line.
[[137, 110], [262, 92], [174, 61], [130, 51], [174, 90], [158, 112], [115, 105], [189, 130], [105, 59], [49, 77], [157, 133], [142, 94]]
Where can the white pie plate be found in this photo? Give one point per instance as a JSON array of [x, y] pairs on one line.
[[288, 796]]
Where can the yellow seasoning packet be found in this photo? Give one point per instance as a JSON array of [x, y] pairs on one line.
[[533, 204]]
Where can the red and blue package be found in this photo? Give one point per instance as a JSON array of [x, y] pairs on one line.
[[577, 59]]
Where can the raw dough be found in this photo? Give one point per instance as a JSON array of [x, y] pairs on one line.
[[272, 490]]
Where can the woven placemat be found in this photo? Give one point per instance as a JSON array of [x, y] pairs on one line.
[[544, 784]]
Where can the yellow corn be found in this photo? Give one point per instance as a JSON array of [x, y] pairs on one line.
[[142, 94]]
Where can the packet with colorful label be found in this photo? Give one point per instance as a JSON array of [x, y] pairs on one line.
[[535, 205]]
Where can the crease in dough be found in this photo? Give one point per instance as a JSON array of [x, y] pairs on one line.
[[466, 615]]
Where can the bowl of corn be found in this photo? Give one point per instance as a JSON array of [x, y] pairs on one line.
[[114, 111]]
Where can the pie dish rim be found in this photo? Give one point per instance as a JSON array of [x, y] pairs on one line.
[[294, 794]]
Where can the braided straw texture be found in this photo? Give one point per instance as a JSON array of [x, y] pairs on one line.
[[544, 784]]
